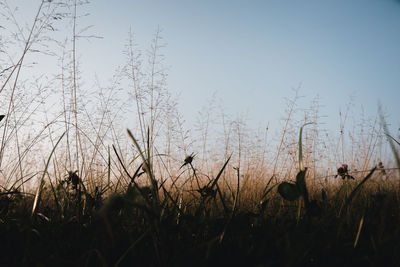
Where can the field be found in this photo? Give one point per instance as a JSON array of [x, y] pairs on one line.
[[203, 224], [78, 189]]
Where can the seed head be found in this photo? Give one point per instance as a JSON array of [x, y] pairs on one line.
[[188, 160]]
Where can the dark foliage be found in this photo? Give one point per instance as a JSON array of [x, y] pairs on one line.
[[123, 229]]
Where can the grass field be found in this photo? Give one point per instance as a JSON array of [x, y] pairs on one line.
[[202, 223], [76, 189]]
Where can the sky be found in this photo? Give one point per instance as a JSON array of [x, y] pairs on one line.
[[252, 54]]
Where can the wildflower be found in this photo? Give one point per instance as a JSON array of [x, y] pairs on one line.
[[343, 172]]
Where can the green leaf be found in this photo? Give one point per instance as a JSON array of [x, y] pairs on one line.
[[301, 164], [288, 191]]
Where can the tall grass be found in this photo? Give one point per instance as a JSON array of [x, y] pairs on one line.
[[165, 195]]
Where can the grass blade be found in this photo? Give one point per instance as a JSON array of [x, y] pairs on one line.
[[359, 231], [352, 195], [132, 246], [220, 172], [153, 182], [390, 138], [41, 183], [301, 165], [109, 167]]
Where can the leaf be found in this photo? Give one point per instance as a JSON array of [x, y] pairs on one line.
[[352, 195], [266, 189], [289, 191], [358, 232], [301, 185], [219, 174], [301, 165], [149, 172], [262, 199], [388, 135]]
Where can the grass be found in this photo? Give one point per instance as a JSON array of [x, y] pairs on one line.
[[150, 224], [159, 196]]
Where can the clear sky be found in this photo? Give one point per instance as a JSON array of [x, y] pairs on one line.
[[253, 53]]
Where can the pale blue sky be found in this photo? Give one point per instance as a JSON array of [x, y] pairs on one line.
[[253, 53]]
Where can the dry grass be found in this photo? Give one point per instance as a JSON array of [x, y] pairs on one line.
[[77, 190]]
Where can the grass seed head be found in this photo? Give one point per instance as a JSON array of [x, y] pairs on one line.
[[188, 160]]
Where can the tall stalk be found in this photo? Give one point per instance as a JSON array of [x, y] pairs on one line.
[[17, 68], [74, 87]]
